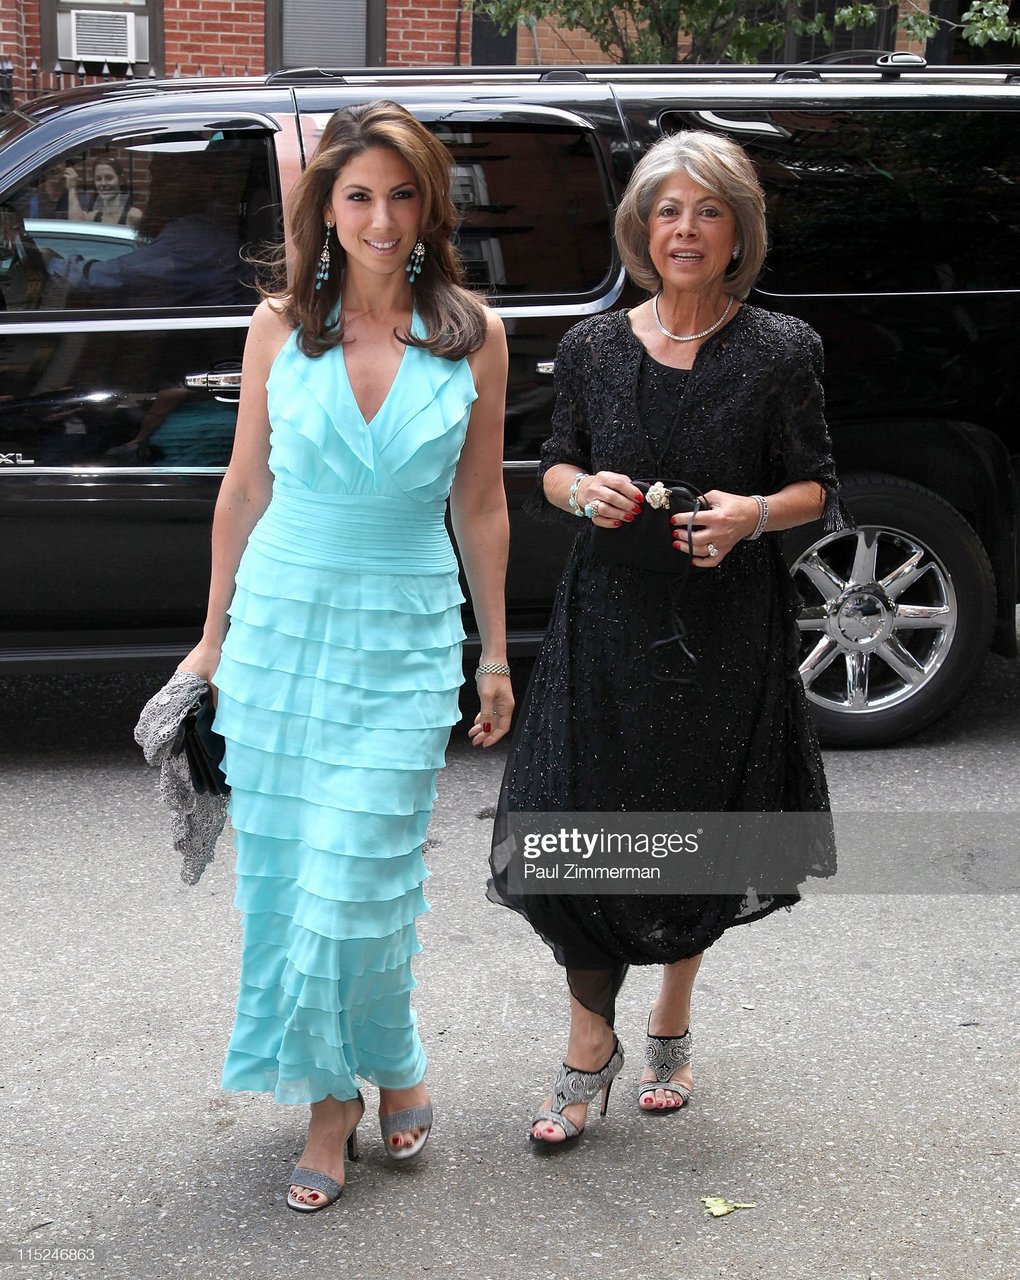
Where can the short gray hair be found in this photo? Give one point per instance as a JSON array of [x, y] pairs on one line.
[[720, 166]]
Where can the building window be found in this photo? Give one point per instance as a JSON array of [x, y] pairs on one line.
[[325, 33], [92, 34], [880, 34]]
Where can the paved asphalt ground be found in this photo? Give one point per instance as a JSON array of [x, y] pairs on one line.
[[856, 1059]]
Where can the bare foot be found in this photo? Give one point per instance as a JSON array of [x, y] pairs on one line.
[[392, 1100], [328, 1129]]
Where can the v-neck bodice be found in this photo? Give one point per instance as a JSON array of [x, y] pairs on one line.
[[320, 441], [415, 327]]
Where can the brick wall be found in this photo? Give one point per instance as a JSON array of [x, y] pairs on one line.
[[216, 36], [548, 45], [19, 40], [913, 46], [436, 34]]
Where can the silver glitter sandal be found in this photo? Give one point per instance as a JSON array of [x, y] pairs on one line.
[[666, 1055], [316, 1181], [573, 1086], [401, 1122]]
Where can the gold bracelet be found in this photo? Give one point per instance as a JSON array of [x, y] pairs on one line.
[[492, 669]]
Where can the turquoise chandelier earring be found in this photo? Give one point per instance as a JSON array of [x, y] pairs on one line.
[[322, 273], [415, 261]]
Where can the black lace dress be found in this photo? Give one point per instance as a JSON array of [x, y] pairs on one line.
[[596, 731]]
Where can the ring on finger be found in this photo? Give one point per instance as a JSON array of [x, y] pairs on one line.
[[713, 550], [591, 509]]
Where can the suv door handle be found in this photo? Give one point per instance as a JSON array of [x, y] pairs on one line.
[[206, 381], [223, 379]]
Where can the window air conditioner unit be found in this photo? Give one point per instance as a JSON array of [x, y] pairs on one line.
[[102, 35]]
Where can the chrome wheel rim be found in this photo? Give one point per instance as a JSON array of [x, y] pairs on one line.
[[878, 621]]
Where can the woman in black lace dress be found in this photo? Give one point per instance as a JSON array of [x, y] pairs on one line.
[[692, 385]]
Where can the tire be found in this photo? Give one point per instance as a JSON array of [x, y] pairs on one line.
[[897, 615]]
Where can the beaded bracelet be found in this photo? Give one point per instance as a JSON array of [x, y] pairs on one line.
[[763, 516], [492, 669], [572, 499]]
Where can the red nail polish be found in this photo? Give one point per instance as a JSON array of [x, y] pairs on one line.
[[628, 518], [616, 524], [487, 727], [640, 498], [637, 511]]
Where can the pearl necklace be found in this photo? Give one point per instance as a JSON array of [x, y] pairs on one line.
[[689, 337]]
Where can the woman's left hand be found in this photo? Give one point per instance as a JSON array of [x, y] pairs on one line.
[[496, 699], [725, 520]]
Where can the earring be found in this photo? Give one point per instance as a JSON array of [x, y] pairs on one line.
[[322, 273], [415, 261], [736, 251]]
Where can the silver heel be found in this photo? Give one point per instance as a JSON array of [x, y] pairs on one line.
[[328, 1187], [572, 1086], [666, 1055]]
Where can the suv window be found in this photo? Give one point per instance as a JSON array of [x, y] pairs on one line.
[[535, 211], [891, 201], [151, 221]]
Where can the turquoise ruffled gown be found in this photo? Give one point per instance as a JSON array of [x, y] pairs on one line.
[[338, 686]]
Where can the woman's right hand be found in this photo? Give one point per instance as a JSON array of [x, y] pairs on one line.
[[202, 661], [619, 500]]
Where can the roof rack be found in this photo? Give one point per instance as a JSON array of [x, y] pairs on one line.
[[888, 65], [866, 57]]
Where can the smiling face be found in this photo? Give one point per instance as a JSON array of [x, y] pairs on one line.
[[691, 235], [105, 179], [376, 207]]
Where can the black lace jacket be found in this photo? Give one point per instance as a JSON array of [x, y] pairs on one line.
[[750, 420]]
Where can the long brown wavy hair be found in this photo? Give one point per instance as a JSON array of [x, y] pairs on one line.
[[453, 318]]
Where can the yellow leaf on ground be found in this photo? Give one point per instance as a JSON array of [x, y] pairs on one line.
[[717, 1206]]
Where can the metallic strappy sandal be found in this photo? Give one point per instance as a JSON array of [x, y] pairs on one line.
[[572, 1086], [665, 1055], [322, 1182], [401, 1122]]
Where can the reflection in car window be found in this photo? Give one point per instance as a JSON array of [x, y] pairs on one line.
[[153, 222], [533, 205], [891, 201]]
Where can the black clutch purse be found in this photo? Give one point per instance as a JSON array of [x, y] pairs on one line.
[[647, 541], [203, 748]]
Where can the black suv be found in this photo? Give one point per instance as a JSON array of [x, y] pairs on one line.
[[894, 208]]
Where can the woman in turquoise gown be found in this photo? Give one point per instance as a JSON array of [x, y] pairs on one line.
[[373, 389]]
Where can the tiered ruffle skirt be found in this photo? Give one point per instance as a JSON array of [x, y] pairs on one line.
[[337, 689]]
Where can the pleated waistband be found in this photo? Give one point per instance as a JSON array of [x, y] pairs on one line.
[[362, 532]]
